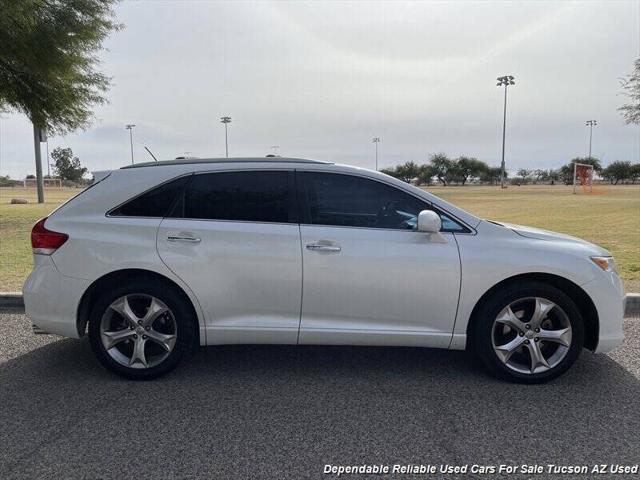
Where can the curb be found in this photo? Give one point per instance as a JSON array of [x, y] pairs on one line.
[[11, 300], [632, 305], [14, 300]]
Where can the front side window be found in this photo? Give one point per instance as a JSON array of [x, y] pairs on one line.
[[153, 203], [351, 201], [253, 196]]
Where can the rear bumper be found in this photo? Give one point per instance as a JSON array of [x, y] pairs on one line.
[[51, 300], [607, 294]]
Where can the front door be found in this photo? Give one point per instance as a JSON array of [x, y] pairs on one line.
[[232, 239], [369, 277]]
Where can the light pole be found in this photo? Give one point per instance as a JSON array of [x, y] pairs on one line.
[[591, 124], [226, 121], [48, 161], [130, 128], [506, 81], [376, 141]]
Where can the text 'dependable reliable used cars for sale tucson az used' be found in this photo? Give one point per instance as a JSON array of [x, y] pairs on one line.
[[155, 259]]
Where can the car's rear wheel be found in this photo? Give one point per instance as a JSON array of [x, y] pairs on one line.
[[529, 333], [141, 330]]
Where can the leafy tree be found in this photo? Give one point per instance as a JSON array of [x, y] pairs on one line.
[[631, 88], [405, 172], [566, 174], [553, 176], [391, 171], [453, 174], [617, 171], [524, 174], [425, 175], [540, 175], [408, 171], [48, 63], [443, 167], [469, 167], [491, 175], [5, 181], [635, 172], [66, 166]]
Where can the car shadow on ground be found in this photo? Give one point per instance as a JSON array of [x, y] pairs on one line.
[[286, 411]]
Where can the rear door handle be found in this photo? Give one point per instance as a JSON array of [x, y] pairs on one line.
[[320, 247], [176, 238]]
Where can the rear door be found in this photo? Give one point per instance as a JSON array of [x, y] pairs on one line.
[[369, 277], [234, 240]]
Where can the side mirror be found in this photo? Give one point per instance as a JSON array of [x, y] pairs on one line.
[[429, 221]]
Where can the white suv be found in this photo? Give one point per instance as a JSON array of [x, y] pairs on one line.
[[157, 258]]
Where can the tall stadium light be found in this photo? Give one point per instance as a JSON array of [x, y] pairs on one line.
[[591, 124], [376, 141], [130, 128], [226, 121], [506, 81]]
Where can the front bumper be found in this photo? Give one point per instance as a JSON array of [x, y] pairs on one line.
[[51, 300], [607, 294]]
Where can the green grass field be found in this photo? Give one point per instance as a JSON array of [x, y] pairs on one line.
[[609, 217], [15, 229]]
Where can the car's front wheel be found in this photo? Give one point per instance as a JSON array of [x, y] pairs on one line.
[[529, 333], [141, 330]]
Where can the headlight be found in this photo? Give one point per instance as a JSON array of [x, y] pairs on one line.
[[605, 263]]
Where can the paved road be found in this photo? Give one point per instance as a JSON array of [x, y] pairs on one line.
[[285, 412]]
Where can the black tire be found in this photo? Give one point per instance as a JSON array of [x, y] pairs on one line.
[[482, 330], [185, 326]]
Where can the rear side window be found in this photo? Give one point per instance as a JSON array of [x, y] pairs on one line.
[[252, 196], [153, 203]]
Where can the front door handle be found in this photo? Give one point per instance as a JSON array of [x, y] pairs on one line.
[[183, 239], [320, 247]]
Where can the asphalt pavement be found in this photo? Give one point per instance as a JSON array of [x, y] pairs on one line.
[[287, 411]]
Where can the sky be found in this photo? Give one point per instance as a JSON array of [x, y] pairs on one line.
[[320, 79]]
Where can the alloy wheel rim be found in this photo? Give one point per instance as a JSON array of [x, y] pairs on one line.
[[138, 331], [531, 335]]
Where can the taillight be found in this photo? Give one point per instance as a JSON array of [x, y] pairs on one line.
[[45, 242]]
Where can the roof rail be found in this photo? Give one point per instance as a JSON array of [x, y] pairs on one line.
[[187, 161]]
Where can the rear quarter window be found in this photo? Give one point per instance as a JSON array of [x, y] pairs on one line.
[[153, 203]]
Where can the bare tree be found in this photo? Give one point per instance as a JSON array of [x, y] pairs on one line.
[[631, 88]]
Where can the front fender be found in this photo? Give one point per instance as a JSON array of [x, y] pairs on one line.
[[496, 254]]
